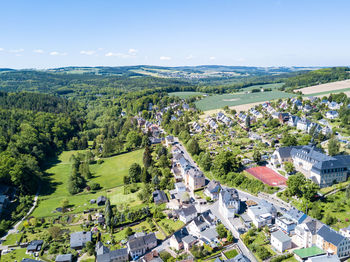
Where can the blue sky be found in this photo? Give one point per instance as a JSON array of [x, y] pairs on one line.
[[44, 34]]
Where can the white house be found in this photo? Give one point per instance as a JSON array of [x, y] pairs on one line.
[[259, 215], [280, 241], [332, 114], [306, 232], [212, 190], [187, 214], [229, 202], [345, 232]]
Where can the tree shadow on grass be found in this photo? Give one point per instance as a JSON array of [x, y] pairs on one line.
[[47, 185]]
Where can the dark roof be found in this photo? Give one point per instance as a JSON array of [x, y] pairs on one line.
[[64, 258], [35, 245], [330, 235], [180, 234], [229, 194], [285, 151], [188, 211], [101, 200], [101, 249], [30, 260], [313, 225]]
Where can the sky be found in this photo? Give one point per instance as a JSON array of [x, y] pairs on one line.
[[57, 33]]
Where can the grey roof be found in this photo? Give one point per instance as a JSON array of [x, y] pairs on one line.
[[108, 257], [101, 249], [188, 211], [330, 235], [188, 239], [313, 225], [140, 242], [325, 258], [282, 237], [209, 233], [159, 196], [295, 215], [30, 260], [240, 258], [64, 258], [78, 239], [269, 207], [214, 186], [284, 152], [229, 194]]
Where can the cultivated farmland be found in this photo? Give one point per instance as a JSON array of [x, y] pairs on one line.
[[329, 87]]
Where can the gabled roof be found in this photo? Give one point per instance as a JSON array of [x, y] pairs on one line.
[[282, 237], [214, 186], [66, 257], [180, 234], [112, 255], [78, 239], [330, 235], [188, 239], [101, 249], [188, 211]]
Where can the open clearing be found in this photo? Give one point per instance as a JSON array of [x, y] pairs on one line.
[[185, 94], [109, 175], [329, 87], [219, 101]]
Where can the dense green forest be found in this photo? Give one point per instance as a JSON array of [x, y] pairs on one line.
[[321, 76]]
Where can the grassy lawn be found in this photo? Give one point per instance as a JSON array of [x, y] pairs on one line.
[[12, 239], [231, 254], [326, 190], [109, 174], [174, 225], [16, 255], [259, 239]]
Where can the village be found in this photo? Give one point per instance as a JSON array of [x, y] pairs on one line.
[[218, 222]]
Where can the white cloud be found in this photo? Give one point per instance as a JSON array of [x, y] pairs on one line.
[[132, 51], [212, 58], [16, 51], [38, 51], [189, 57], [2, 49], [55, 53], [165, 58], [88, 52]]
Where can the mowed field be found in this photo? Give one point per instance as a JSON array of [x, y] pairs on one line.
[[219, 101], [109, 175], [329, 87]]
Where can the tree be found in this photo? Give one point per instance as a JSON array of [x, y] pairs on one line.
[[230, 237], [193, 147], [333, 147], [294, 184], [64, 204], [147, 157], [289, 140], [289, 167], [135, 173], [310, 190], [221, 230], [205, 161], [55, 232], [247, 121], [145, 176], [257, 156]]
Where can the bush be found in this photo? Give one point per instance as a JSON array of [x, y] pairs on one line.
[[95, 186]]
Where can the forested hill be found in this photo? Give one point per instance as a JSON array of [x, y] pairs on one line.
[[321, 76], [80, 84], [36, 102]]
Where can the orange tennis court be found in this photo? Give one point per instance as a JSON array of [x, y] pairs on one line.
[[267, 176]]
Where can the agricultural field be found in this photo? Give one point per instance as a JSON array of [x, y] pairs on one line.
[[109, 175], [328, 88], [219, 101]]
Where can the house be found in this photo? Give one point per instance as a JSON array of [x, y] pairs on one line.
[[303, 124], [187, 214], [282, 155], [295, 215], [118, 255], [213, 189], [30, 260], [155, 140], [229, 202], [306, 232], [169, 140], [180, 187], [280, 241], [101, 200], [64, 258], [332, 114], [188, 242], [260, 216], [333, 242], [34, 246], [201, 223], [159, 197], [152, 256], [345, 231], [286, 224], [79, 239], [283, 117], [210, 235], [293, 120], [176, 238], [139, 245], [334, 105], [194, 179]]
